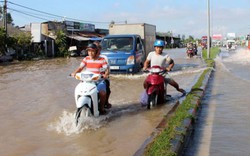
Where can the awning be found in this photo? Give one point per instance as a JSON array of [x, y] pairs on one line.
[[79, 38], [95, 39]]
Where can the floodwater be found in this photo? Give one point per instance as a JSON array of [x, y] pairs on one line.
[[223, 125], [37, 109]]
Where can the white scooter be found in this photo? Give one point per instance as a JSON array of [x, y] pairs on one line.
[[86, 95]]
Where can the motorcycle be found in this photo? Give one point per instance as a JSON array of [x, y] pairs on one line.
[[86, 95], [190, 52], [154, 85]]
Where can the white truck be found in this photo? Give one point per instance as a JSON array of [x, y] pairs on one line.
[[127, 46], [231, 43]]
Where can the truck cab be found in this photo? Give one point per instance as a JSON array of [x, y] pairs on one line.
[[125, 52]]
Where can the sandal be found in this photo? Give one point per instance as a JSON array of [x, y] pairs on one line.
[[107, 106]]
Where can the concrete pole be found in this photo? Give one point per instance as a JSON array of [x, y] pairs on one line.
[[208, 29], [5, 16]]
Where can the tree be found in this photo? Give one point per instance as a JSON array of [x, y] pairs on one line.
[[22, 42], [61, 43], [2, 41], [9, 19], [1, 12]]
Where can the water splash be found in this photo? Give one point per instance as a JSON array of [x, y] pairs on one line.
[[128, 76], [66, 124], [240, 56], [236, 63], [183, 70]]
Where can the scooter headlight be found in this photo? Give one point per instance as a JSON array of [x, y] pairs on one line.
[[84, 77], [87, 76], [155, 70]]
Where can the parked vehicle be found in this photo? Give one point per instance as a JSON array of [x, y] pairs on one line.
[[86, 95], [155, 86], [73, 52], [127, 46]]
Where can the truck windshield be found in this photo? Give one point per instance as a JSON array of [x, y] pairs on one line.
[[124, 44]]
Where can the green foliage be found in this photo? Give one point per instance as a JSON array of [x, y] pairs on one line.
[[3, 41], [61, 43], [214, 51], [9, 18], [22, 39]]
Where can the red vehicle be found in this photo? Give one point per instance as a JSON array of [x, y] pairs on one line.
[[155, 86], [190, 52], [204, 42]]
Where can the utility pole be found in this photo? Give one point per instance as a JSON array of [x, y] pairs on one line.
[[5, 25], [208, 29], [5, 16]]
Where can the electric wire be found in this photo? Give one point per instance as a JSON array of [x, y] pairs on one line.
[[50, 14]]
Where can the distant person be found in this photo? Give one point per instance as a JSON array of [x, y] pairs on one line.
[[195, 49], [159, 58]]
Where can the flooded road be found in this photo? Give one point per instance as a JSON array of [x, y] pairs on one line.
[[37, 109], [223, 125]]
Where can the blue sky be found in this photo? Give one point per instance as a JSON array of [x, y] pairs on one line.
[[184, 17]]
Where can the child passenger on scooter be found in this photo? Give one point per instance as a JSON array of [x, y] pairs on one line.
[[94, 63], [158, 58], [107, 81]]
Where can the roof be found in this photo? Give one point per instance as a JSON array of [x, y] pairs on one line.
[[79, 38]]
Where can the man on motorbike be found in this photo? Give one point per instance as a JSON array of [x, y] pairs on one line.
[[159, 58], [93, 62]]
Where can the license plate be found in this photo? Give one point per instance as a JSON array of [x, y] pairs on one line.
[[114, 67]]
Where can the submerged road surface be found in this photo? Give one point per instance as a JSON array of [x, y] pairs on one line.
[[37, 109], [223, 125]]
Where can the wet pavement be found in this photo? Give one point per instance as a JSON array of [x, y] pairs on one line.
[[37, 109], [223, 127]]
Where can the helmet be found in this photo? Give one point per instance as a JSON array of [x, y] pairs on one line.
[[159, 43], [92, 46]]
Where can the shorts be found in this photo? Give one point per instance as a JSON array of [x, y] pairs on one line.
[[101, 86], [167, 79]]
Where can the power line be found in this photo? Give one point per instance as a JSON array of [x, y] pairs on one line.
[[62, 17], [27, 14]]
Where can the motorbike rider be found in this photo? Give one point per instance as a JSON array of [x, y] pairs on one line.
[[190, 49], [107, 80], [93, 62], [159, 58], [195, 49]]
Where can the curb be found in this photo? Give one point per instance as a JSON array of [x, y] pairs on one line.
[[180, 144], [180, 141]]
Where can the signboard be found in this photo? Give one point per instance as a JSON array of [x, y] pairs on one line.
[[77, 26], [87, 27], [217, 37]]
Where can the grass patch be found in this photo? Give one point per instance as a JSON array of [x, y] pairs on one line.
[[162, 145]]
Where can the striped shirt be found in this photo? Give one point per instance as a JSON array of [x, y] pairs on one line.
[[94, 65]]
